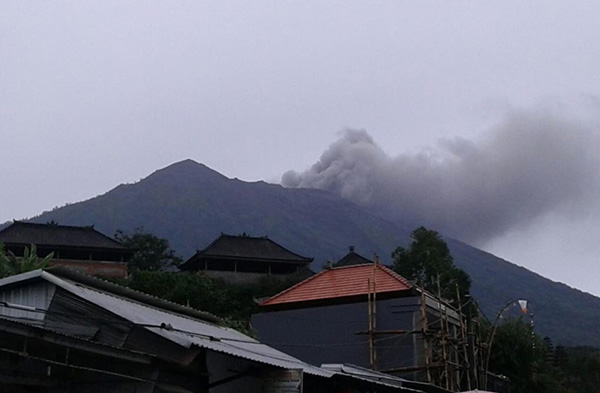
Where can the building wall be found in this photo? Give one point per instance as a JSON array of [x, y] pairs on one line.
[[330, 334], [235, 277], [106, 269], [33, 362], [37, 295], [250, 277], [221, 366]]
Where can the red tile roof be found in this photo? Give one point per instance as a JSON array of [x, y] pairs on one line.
[[341, 282]]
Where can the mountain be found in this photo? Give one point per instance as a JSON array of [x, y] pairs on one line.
[[191, 204]]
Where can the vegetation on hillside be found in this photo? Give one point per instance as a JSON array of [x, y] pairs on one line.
[[522, 356], [534, 365]]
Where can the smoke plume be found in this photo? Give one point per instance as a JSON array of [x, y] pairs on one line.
[[527, 166]]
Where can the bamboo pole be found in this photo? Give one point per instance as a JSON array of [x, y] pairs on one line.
[[425, 339], [463, 338]]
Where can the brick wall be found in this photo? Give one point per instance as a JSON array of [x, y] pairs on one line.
[[94, 268]]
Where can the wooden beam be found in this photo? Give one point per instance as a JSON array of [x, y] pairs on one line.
[[412, 368], [387, 332]]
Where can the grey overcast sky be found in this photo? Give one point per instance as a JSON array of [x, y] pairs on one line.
[[478, 96]]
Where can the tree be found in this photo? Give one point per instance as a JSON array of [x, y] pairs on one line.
[[428, 261], [580, 368], [151, 252], [234, 303], [522, 356], [10, 264]]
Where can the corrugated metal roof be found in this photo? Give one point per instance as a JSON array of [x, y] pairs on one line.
[[368, 375], [184, 330], [129, 293], [342, 282], [41, 331]]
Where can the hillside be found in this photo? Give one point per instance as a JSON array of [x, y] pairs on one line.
[[190, 205]]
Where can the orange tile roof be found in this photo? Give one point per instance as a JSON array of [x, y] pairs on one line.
[[342, 282]]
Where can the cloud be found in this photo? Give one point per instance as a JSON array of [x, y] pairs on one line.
[[527, 166]]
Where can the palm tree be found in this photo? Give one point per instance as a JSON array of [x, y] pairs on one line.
[[11, 264]]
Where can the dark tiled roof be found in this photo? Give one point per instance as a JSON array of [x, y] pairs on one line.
[[352, 258], [251, 247], [27, 233], [342, 282], [247, 248]]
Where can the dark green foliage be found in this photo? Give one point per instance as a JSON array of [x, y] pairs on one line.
[[535, 366], [560, 357], [428, 261], [580, 369], [234, 303], [194, 290], [152, 253], [521, 355], [11, 264]]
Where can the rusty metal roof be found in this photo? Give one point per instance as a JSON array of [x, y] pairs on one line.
[[340, 282]]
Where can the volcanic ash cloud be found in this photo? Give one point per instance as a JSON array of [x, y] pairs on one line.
[[528, 166]]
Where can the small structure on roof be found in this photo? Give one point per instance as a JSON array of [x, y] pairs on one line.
[[352, 258], [245, 258], [370, 316], [79, 247]]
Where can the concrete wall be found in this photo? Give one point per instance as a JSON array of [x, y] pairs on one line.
[[236, 277]]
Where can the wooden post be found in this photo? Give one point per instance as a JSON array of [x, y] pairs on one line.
[[371, 334], [374, 314], [463, 337], [443, 326], [424, 324]]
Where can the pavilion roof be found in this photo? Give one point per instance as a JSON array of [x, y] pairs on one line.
[[51, 234]]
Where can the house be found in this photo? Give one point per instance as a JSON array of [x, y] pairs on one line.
[[61, 331], [81, 248], [36, 359], [367, 315], [244, 258]]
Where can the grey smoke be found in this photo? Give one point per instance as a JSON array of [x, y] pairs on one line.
[[529, 165]]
